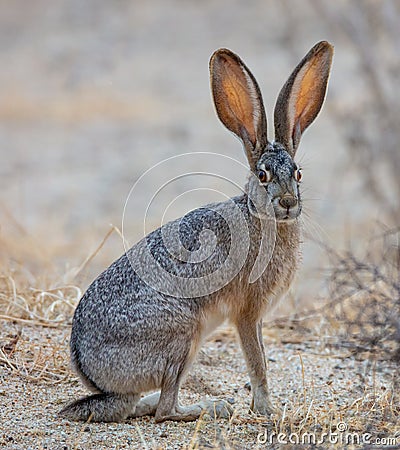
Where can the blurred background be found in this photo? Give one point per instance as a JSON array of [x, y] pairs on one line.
[[94, 93]]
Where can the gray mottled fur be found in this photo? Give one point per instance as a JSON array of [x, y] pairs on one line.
[[129, 338]]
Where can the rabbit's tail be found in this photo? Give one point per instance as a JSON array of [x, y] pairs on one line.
[[101, 408]]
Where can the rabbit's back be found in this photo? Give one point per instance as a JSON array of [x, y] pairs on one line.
[[126, 332]]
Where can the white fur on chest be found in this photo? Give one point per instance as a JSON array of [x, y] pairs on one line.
[[211, 320]]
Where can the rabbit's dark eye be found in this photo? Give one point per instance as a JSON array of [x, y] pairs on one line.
[[298, 175], [264, 176]]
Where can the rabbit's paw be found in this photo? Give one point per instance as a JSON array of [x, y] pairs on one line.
[[217, 409], [264, 408]]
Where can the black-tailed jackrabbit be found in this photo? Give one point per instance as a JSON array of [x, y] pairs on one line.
[[129, 337]]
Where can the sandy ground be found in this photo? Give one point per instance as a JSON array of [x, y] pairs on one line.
[[315, 385]]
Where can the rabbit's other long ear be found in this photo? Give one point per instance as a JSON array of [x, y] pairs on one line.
[[302, 96], [238, 102]]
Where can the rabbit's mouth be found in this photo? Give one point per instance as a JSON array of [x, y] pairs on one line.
[[286, 211]]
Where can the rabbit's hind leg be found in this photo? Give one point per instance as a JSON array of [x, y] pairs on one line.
[[169, 409], [104, 407]]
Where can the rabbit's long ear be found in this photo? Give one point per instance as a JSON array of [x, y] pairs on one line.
[[302, 96], [238, 102]]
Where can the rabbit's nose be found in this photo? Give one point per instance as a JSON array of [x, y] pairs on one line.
[[288, 201]]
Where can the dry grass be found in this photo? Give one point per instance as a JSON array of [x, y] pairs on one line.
[[34, 295], [28, 305], [25, 305], [42, 362]]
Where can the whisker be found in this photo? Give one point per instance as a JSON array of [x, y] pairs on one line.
[[310, 199], [313, 230], [305, 191]]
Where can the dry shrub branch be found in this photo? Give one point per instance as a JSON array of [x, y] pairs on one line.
[[366, 298]]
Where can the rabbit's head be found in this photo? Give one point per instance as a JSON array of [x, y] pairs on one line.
[[275, 177]]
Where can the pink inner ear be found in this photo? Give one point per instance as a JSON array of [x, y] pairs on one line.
[[236, 98]]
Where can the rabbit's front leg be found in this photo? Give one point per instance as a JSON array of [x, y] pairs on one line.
[[250, 334]]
